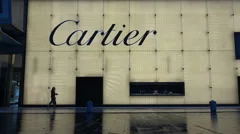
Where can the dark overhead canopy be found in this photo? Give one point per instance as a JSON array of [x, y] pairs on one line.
[[9, 45], [12, 24]]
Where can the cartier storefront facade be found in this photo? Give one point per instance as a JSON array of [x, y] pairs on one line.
[[132, 52]]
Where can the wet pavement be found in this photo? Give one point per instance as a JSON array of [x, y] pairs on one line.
[[119, 121]]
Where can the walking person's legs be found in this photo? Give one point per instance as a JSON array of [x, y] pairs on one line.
[[50, 103], [54, 103]]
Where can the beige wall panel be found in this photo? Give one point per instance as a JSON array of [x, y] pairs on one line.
[[197, 89], [63, 76], [237, 68], [222, 62], [168, 7], [236, 11], [38, 32], [194, 32], [190, 7], [109, 123], [169, 64], [64, 7], [90, 63], [63, 32], [170, 100], [196, 62], [88, 22], [196, 77], [37, 78], [142, 7], [119, 20], [36, 95], [219, 6], [168, 27], [40, 7], [116, 78], [95, 6], [236, 23], [143, 100], [221, 32], [147, 24], [225, 89], [116, 7], [143, 65], [236, 5], [223, 77]]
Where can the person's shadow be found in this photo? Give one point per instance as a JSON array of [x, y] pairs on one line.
[[214, 121], [52, 119]]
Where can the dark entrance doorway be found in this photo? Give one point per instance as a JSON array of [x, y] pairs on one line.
[[89, 88]]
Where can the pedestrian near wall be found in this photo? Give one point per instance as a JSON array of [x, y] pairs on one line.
[[53, 97]]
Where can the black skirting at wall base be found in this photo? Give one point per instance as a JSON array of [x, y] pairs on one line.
[[143, 105]]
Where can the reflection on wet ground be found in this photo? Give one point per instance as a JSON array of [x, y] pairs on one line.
[[105, 122]]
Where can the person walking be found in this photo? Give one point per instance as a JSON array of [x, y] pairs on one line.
[[53, 97]]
